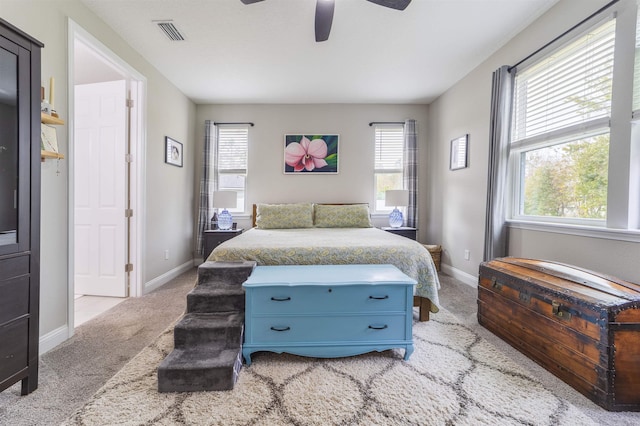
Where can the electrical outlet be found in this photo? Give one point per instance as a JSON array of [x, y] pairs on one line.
[[166, 255], [467, 255]]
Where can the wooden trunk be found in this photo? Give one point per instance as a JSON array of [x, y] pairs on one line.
[[582, 326]]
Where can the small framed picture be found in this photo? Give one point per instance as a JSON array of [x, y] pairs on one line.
[[459, 153], [173, 152]]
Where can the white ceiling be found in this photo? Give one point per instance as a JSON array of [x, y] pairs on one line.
[[266, 52]]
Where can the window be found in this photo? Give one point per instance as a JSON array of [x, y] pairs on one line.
[[231, 162], [562, 106], [388, 169]]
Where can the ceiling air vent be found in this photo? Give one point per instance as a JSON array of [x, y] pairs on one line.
[[170, 30]]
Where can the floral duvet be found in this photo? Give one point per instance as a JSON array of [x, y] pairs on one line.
[[334, 246]]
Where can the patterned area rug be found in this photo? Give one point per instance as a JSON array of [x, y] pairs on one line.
[[454, 377]]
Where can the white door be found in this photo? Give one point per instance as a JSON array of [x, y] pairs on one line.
[[100, 189]]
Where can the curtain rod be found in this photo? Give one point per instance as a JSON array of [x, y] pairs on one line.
[[597, 12], [249, 123], [386, 122]]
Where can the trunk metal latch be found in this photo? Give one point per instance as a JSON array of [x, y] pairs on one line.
[[555, 309], [495, 284]]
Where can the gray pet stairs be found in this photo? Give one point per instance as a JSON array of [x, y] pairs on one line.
[[207, 351]]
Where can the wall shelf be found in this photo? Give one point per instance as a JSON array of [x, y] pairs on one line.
[[44, 155], [49, 119], [54, 121]]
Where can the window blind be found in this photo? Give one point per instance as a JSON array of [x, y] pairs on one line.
[[389, 140], [570, 88], [232, 149]]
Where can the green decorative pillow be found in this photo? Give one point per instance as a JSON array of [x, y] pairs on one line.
[[342, 216], [284, 216]]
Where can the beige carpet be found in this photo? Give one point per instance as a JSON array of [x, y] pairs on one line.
[[454, 377]]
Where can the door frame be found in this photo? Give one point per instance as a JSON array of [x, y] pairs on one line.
[[138, 124]]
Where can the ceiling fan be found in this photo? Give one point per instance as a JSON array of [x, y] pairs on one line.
[[324, 13]]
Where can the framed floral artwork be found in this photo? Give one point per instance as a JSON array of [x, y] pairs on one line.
[[310, 153]]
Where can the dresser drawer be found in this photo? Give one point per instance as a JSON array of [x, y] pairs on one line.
[[339, 328], [13, 267], [14, 299], [330, 299], [14, 339]]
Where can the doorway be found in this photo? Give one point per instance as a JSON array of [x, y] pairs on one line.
[[106, 155], [100, 188]]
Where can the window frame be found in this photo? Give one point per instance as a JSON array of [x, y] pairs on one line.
[[623, 205], [517, 184], [241, 208], [384, 171]]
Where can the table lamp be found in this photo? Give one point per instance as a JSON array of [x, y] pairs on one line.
[[225, 200], [395, 198]]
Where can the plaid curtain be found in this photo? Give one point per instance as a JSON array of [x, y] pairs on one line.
[[410, 171], [208, 182]]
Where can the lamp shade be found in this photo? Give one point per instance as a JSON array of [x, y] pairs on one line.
[[396, 197], [225, 199]]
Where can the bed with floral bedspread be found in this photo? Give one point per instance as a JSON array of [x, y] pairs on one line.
[[335, 246]]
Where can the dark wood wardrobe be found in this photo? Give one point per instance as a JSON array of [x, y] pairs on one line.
[[19, 207]]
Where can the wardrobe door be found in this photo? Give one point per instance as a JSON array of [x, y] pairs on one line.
[[19, 207], [9, 147]]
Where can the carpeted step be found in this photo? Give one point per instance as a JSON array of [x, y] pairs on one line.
[[208, 339], [224, 274], [224, 329], [201, 368], [207, 299]]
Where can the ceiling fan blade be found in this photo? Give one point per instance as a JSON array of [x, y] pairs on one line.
[[324, 19], [393, 4], [250, 1]]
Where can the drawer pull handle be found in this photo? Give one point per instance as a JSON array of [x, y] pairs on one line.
[[378, 327], [280, 299], [379, 297], [280, 328]]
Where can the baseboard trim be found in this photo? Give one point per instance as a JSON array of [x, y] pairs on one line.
[[468, 279], [166, 277], [53, 339]]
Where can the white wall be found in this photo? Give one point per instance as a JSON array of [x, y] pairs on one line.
[[169, 219], [354, 182], [457, 199]]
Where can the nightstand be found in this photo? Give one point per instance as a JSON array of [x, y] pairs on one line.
[[214, 237], [405, 231]]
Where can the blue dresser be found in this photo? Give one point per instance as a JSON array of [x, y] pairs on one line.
[[328, 311]]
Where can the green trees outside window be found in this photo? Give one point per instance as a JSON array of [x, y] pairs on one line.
[[567, 180]]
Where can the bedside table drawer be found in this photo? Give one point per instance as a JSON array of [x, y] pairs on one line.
[[304, 299], [213, 238], [404, 231], [340, 328]]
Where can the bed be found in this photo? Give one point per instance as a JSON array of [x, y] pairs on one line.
[[317, 234]]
